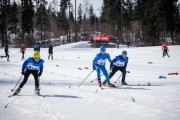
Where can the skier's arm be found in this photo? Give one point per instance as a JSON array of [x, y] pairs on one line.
[[95, 60], [126, 63], [109, 58], [24, 65], [114, 60]]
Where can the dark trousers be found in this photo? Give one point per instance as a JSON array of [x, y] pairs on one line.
[[165, 53], [115, 69], [22, 55], [7, 55], [26, 76], [50, 54]]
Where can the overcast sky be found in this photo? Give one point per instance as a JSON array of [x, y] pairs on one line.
[[97, 4]]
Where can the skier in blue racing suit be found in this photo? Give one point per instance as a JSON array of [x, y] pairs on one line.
[[119, 63], [99, 65], [33, 65]]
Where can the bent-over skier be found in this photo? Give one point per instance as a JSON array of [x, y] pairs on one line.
[[33, 65], [119, 63]]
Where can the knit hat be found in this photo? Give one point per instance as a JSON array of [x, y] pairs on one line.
[[36, 54], [124, 52], [102, 48]]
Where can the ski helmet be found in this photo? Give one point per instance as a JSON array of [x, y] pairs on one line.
[[124, 52], [102, 48]]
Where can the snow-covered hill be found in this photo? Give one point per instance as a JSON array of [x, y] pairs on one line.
[[64, 100]]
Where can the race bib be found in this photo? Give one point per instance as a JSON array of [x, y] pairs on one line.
[[30, 66], [101, 62], [119, 64]]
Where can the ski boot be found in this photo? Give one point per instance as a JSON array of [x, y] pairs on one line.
[[123, 83], [17, 91], [111, 85], [99, 83], [37, 90]]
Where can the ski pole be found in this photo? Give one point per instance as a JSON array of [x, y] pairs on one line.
[[86, 78], [118, 79], [95, 79], [17, 83]]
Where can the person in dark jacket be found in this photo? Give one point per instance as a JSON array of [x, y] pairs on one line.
[[128, 44], [50, 51]]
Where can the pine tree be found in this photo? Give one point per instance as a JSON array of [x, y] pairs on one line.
[[42, 17], [62, 19], [91, 14], [79, 19], [13, 20], [27, 18], [4, 12]]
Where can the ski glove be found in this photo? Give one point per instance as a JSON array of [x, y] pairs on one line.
[[39, 74], [94, 68], [23, 72]]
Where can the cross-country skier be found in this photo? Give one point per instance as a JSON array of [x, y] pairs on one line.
[[33, 65], [37, 46], [119, 63], [22, 50], [50, 50], [99, 65], [165, 49]]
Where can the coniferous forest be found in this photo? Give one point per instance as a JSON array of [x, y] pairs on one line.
[[139, 21]]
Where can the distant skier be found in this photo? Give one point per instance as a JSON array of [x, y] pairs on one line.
[[50, 51], [119, 63], [6, 50], [37, 46], [128, 44], [165, 49], [33, 65], [99, 65], [22, 50]]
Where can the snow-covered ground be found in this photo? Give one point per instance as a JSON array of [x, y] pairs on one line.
[[66, 101]]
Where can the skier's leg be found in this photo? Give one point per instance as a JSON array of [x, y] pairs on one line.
[[163, 53], [98, 73], [103, 69], [167, 53], [123, 70], [48, 56], [26, 76], [22, 55], [35, 75], [37, 89], [7, 56], [114, 70], [52, 56]]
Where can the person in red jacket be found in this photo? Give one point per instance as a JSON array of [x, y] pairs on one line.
[[165, 49], [22, 50]]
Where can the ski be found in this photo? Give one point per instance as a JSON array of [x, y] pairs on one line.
[[22, 95], [11, 95], [117, 87]]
